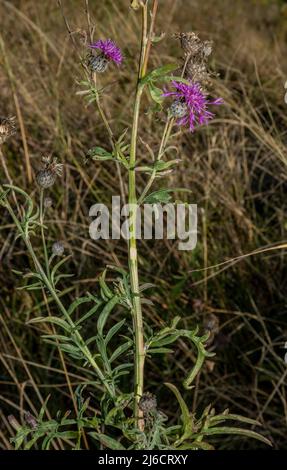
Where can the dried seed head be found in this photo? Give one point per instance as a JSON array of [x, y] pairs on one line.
[[197, 72], [198, 305], [207, 48], [97, 63], [58, 248], [211, 326], [178, 109], [211, 323], [7, 128], [148, 403], [196, 53], [46, 177], [30, 420], [48, 202], [193, 46]]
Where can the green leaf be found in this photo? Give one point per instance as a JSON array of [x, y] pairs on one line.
[[237, 431], [105, 313], [160, 72], [56, 337], [120, 350], [195, 446], [185, 415], [126, 365], [79, 301], [156, 93], [105, 290], [201, 354], [160, 351], [113, 331], [55, 320], [57, 266], [165, 340], [223, 417], [107, 441], [99, 153], [4, 194], [173, 78], [162, 195], [91, 312], [73, 351]]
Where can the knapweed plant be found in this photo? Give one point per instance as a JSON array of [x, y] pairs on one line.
[[113, 406]]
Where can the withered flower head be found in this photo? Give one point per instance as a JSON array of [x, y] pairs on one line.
[[193, 46], [58, 248], [7, 128], [196, 53], [46, 177], [48, 202], [148, 403]]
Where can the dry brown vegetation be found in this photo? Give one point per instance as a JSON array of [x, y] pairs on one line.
[[236, 170]]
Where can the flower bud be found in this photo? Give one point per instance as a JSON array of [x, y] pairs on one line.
[[7, 128], [48, 202], [148, 403], [58, 248]]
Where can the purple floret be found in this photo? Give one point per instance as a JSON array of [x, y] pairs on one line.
[[109, 50], [197, 104]]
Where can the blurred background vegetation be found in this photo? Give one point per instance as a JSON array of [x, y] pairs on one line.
[[236, 169]]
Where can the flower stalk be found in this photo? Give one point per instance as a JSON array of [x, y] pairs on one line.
[[132, 249]]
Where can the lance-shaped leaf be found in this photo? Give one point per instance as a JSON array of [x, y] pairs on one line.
[[55, 320], [105, 313], [185, 415], [107, 441]]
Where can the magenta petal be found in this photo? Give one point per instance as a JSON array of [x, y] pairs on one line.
[[196, 101], [109, 49]]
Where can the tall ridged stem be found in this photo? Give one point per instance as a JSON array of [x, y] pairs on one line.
[[133, 266], [132, 249], [42, 232]]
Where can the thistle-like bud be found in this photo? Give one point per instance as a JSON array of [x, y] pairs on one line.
[[97, 63], [30, 420], [46, 177], [7, 128], [148, 403], [107, 52], [178, 109], [58, 248], [48, 202]]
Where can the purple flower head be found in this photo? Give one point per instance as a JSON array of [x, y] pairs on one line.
[[109, 50], [196, 103]]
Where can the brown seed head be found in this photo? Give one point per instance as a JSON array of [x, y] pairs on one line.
[[46, 177], [196, 53], [7, 128], [148, 403]]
